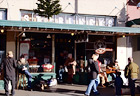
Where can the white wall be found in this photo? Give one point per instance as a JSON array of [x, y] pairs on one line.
[[98, 7], [94, 7], [124, 50], [14, 7]]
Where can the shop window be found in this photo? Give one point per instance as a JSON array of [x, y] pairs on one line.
[[38, 51], [3, 14]]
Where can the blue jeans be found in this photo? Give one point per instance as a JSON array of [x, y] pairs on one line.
[[29, 76], [93, 85], [98, 80]]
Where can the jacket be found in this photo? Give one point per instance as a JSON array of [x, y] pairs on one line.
[[20, 66], [94, 69], [9, 65], [132, 70]]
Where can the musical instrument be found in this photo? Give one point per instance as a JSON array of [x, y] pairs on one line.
[[111, 70]]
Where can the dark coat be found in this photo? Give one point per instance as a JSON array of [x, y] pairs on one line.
[[94, 69], [9, 65]]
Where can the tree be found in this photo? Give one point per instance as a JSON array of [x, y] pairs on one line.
[[48, 8]]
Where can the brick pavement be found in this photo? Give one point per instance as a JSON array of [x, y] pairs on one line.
[[70, 90]]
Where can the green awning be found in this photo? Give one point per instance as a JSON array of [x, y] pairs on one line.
[[48, 25], [133, 22]]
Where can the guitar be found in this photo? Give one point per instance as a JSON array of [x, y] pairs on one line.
[[112, 70]]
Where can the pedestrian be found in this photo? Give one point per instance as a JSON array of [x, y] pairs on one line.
[[9, 66], [23, 67], [132, 72], [118, 84], [94, 74], [70, 64]]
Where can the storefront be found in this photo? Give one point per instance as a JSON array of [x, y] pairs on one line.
[[42, 43]]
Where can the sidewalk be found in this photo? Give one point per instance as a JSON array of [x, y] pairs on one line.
[[70, 90]]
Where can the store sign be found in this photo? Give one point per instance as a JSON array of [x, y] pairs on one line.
[[69, 19], [103, 50], [100, 47]]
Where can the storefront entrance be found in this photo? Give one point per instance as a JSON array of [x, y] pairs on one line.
[[2, 49]]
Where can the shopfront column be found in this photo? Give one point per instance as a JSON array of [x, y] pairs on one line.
[[124, 50], [53, 50]]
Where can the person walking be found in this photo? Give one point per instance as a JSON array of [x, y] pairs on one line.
[[94, 71], [132, 72], [118, 84], [9, 66]]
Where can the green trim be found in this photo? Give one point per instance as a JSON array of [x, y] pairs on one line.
[[1, 84], [49, 25], [44, 76]]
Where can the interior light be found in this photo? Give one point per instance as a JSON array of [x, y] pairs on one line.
[[23, 35], [123, 36], [2, 30], [72, 34], [49, 36]]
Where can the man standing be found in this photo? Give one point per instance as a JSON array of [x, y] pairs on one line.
[[94, 71], [9, 65], [132, 74]]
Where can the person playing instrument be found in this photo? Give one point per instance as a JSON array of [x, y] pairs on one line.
[[113, 69], [116, 66]]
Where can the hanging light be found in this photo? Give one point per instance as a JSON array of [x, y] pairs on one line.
[[48, 36], [23, 35]]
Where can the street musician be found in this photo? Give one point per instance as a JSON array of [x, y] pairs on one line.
[[111, 70]]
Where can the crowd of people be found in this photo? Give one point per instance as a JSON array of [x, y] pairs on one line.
[[131, 72], [96, 73]]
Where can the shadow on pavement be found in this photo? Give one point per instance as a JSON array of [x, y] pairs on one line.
[[2, 94]]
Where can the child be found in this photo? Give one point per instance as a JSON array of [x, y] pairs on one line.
[[61, 71], [118, 84]]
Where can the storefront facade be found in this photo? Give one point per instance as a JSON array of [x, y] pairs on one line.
[[43, 39]]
